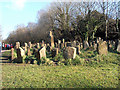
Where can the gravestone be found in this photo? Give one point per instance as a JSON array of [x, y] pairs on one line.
[[118, 47], [12, 54], [54, 52], [74, 44], [20, 54], [48, 48], [42, 44], [38, 45], [17, 45], [86, 45], [56, 45], [26, 47], [102, 48], [42, 52], [68, 44], [69, 53], [81, 45], [30, 45], [61, 45], [52, 39], [59, 42], [78, 49], [28, 51]]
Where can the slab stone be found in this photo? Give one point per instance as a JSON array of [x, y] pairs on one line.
[[30, 44], [102, 48], [42, 52], [20, 54], [69, 53]]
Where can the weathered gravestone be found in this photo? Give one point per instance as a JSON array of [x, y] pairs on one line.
[[48, 48], [78, 49], [52, 39], [26, 47], [42, 52], [38, 45], [12, 54], [69, 53], [42, 44], [28, 51], [74, 44], [17, 45], [54, 52], [118, 47], [102, 48], [68, 44], [86, 45], [59, 42], [30, 45], [20, 54]]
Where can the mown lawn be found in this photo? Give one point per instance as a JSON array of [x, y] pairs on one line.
[[100, 75], [34, 76]]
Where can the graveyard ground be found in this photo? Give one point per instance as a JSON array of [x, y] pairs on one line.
[[102, 74]]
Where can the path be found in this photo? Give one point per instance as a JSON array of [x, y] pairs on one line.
[[4, 56]]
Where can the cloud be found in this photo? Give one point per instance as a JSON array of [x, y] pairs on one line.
[[18, 4]]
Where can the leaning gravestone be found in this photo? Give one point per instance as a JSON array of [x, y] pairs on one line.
[[69, 53], [52, 39], [118, 47], [20, 54], [102, 48], [54, 52], [42, 52]]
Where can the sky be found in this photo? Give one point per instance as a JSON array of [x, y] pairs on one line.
[[16, 12]]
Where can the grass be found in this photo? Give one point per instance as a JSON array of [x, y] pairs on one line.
[[103, 72], [34, 76]]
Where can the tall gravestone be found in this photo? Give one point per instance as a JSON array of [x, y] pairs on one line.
[[52, 39]]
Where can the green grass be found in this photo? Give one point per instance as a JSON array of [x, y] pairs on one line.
[[100, 72], [34, 76]]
